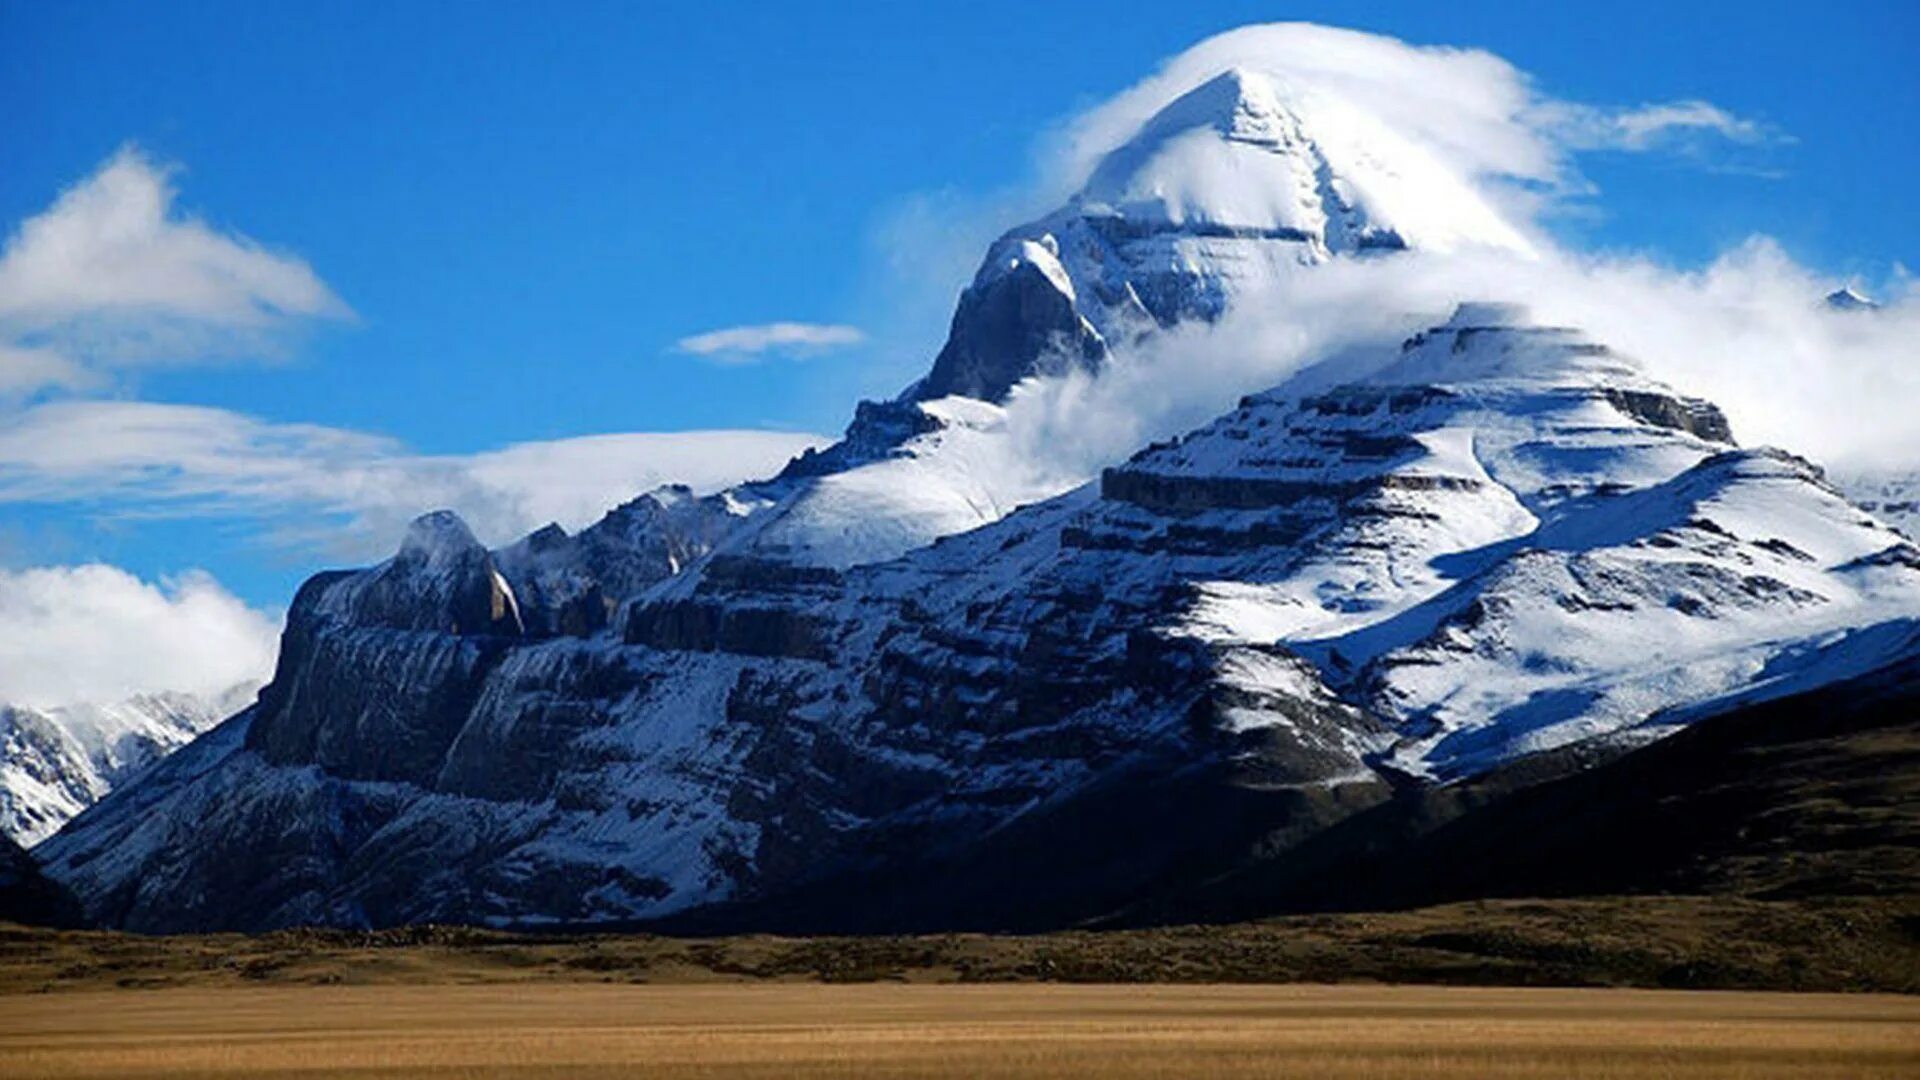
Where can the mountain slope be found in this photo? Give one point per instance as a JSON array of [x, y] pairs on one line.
[[1892, 495], [1809, 795]]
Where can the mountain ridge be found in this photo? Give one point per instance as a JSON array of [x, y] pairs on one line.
[[745, 726]]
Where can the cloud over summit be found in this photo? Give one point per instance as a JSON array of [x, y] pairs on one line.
[[1488, 120]]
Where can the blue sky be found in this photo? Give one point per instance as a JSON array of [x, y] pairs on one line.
[[526, 207]]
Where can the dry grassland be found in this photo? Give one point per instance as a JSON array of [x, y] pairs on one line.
[[576, 1031]]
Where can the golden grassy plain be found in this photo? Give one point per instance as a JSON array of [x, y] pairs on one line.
[[580, 1031]]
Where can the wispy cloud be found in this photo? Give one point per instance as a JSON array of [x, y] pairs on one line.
[[341, 492], [1638, 128], [27, 368], [747, 344], [113, 276], [1694, 128]]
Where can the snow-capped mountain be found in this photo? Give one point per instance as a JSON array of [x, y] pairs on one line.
[[1507, 540], [1225, 192], [909, 651], [56, 762]]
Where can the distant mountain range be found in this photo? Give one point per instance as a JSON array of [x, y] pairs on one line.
[[907, 683], [57, 761]]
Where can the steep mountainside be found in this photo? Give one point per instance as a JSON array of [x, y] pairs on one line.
[[1508, 541], [56, 762], [1812, 795]]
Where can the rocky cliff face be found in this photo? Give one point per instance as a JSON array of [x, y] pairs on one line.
[[1508, 540]]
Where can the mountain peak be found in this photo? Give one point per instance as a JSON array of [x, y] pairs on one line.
[[1246, 153], [1487, 314], [437, 532], [1238, 102], [1846, 298]]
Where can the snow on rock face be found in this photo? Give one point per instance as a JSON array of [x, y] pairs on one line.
[[1511, 539], [442, 579], [1623, 606], [1021, 317], [573, 584], [956, 473]]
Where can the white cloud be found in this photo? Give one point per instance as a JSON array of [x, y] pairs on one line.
[[96, 633], [347, 492], [1749, 332], [1638, 128], [113, 276], [574, 481], [1698, 131], [746, 344], [26, 368]]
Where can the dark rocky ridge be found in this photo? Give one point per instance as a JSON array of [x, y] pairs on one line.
[[27, 896], [1008, 328]]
